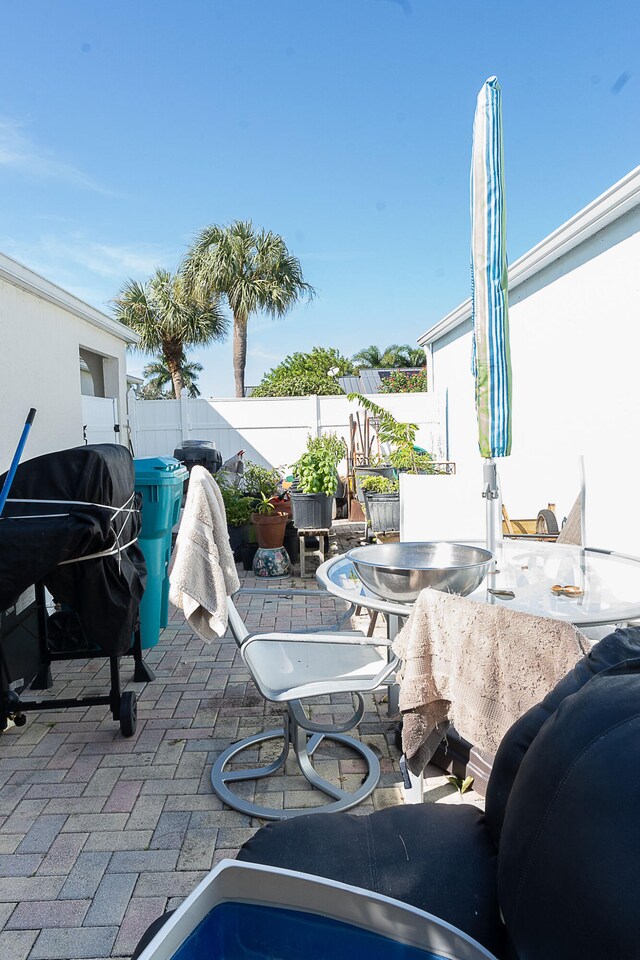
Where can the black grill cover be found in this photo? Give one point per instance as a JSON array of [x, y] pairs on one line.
[[104, 592]]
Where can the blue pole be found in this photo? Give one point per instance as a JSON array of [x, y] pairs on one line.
[[6, 486]]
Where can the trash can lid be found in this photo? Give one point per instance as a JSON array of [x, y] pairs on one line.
[[156, 471]]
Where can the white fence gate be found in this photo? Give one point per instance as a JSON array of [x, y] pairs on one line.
[[100, 420], [272, 431]]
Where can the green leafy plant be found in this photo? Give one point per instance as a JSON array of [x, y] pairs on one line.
[[461, 785], [264, 507], [237, 506], [329, 443], [375, 484], [316, 472], [412, 461], [259, 481]]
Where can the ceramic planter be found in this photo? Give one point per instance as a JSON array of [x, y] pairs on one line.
[[270, 528]]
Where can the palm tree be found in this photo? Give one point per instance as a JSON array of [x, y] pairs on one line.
[[169, 320], [416, 357], [253, 269], [369, 357], [157, 377], [394, 355]]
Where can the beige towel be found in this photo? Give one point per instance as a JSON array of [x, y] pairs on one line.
[[203, 573], [476, 665]]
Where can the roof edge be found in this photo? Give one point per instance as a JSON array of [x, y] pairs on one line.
[[605, 209], [26, 279]]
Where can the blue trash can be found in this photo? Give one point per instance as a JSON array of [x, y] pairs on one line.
[[160, 480]]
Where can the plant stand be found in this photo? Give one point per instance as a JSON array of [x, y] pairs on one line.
[[308, 552]]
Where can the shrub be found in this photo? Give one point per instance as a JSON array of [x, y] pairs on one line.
[[259, 481], [237, 506], [375, 484], [402, 382]]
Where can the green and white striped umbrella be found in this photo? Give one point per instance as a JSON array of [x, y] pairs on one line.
[[491, 353]]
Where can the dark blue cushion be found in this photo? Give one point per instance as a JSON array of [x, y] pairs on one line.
[[437, 857], [570, 845], [623, 644]]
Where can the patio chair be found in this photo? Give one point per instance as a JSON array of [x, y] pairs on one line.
[[288, 668], [549, 872]]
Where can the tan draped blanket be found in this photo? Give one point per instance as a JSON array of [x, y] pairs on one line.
[[203, 573], [478, 666]]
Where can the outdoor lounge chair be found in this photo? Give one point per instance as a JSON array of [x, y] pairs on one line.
[[288, 668]]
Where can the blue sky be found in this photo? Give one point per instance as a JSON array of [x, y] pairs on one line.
[[344, 125]]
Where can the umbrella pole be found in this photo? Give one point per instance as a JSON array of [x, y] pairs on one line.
[[492, 495]]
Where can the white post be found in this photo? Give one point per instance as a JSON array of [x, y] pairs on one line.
[[492, 495], [185, 427]]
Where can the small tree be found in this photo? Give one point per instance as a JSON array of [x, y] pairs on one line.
[[303, 374]]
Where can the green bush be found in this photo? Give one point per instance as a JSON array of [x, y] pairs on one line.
[[412, 462], [402, 382], [259, 481], [304, 374], [237, 506], [375, 484], [329, 443]]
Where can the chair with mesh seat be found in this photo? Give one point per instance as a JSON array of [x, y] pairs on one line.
[[288, 668]]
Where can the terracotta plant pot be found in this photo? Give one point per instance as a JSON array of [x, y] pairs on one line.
[[270, 528]]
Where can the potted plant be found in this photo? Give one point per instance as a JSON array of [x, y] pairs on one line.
[[381, 503], [404, 456], [270, 524], [238, 509], [312, 496]]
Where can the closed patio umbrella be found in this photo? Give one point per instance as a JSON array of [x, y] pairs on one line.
[[491, 353]]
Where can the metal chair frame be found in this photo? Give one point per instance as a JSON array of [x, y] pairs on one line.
[[298, 731]]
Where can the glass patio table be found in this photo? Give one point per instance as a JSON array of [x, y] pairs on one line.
[[608, 584], [608, 593]]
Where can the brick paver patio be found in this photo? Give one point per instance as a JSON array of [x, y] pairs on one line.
[[99, 835]]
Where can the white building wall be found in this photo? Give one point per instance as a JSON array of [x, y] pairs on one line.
[[575, 350], [40, 353]]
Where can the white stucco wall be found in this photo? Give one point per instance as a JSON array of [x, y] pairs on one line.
[[575, 349], [40, 351]]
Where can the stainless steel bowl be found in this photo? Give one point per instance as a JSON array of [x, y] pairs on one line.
[[399, 571]]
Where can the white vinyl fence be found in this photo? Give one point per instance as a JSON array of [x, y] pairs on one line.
[[272, 431]]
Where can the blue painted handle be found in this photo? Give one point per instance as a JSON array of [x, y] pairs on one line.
[[6, 486]]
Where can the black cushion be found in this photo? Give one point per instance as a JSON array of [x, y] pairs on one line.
[[570, 845], [623, 644], [438, 857]]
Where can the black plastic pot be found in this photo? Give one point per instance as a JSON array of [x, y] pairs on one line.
[[383, 511], [249, 551], [312, 511], [362, 472], [291, 542], [237, 537]]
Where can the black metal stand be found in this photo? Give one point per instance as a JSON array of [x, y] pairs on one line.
[[122, 705]]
